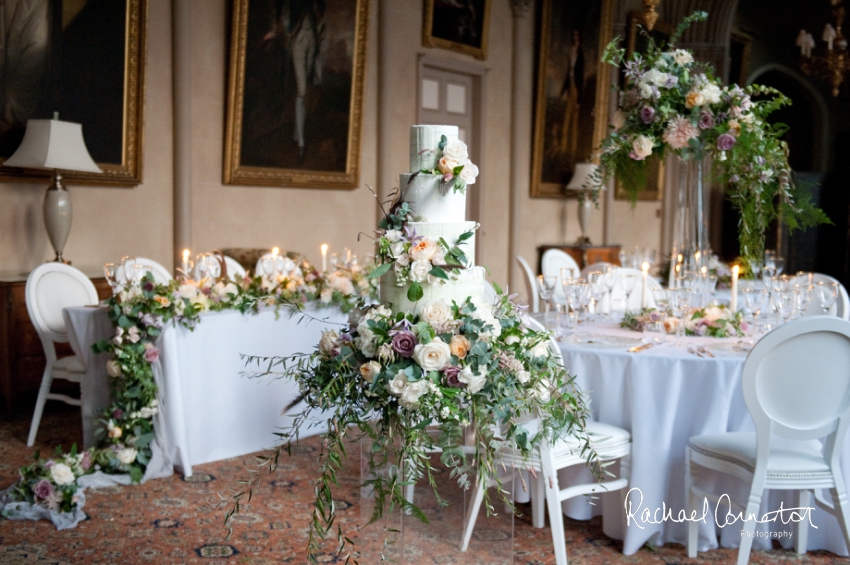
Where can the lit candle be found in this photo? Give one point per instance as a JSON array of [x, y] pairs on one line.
[[324, 257], [186, 262], [275, 253], [734, 302], [644, 294], [347, 256], [704, 270]]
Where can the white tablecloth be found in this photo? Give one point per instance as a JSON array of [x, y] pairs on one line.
[[664, 396], [209, 411]]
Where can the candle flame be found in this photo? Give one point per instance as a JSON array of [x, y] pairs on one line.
[[185, 255], [645, 266], [736, 269], [324, 249], [275, 251]]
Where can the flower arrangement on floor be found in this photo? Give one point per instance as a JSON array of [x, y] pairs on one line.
[[454, 165], [139, 314], [393, 376], [671, 102], [711, 321]]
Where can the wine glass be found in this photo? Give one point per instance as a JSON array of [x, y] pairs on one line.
[[546, 289], [628, 283], [661, 299], [140, 271], [110, 271], [779, 263], [754, 298], [827, 292], [785, 303], [680, 300], [805, 277], [203, 267], [335, 261], [597, 290], [128, 269], [805, 294], [610, 280], [585, 296], [269, 266]]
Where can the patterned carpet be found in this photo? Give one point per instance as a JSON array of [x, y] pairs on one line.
[[171, 521]]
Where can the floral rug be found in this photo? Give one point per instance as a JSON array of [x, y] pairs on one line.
[[173, 521]]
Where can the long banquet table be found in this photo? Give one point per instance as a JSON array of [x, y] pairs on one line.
[[664, 396], [208, 411]]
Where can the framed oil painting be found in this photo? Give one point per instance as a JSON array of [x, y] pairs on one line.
[[571, 98], [457, 26], [295, 93], [84, 59]]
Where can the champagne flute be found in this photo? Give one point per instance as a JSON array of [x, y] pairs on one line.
[[805, 294], [786, 303], [827, 292], [681, 302], [546, 288], [110, 270]]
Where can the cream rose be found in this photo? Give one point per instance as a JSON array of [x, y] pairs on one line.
[[714, 313], [654, 76], [188, 290], [645, 91], [456, 150], [439, 257], [326, 295], [366, 343], [459, 346], [61, 474], [328, 341], [473, 382], [469, 173], [113, 368], [126, 455], [711, 93], [543, 391], [392, 235], [447, 165], [682, 57], [432, 356], [493, 328], [115, 432], [540, 350], [397, 249], [397, 384], [523, 376], [436, 312], [402, 261], [370, 370], [419, 270], [642, 146], [694, 98], [411, 394], [423, 251]]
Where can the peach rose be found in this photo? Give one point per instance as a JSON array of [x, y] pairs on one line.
[[447, 165], [459, 346], [694, 98]]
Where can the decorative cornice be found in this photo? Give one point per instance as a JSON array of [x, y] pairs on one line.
[[520, 8]]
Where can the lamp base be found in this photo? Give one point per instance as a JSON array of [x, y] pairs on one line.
[[57, 216]]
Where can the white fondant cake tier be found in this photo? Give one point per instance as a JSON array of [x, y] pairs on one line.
[[469, 284], [449, 232], [422, 192], [425, 145]]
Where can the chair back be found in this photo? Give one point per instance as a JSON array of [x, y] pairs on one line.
[[161, 275], [551, 263], [595, 268], [796, 381], [50, 288], [635, 298], [530, 284], [841, 308], [235, 271]]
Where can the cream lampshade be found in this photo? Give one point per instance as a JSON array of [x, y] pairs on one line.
[[54, 145], [581, 182]]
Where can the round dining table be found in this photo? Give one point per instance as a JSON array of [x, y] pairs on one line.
[[664, 395]]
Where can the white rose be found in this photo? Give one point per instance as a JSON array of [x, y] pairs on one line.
[[402, 261], [188, 290], [523, 376], [432, 356], [62, 474], [423, 251], [642, 146], [419, 270], [370, 370], [392, 235], [474, 382], [682, 57], [711, 92], [654, 76], [201, 301], [645, 90], [345, 286], [397, 249], [493, 328], [540, 350], [511, 339], [439, 257], [230, 288], [126, 455], [542, 392], [714, 313], [328, 341], [411, 394], [469, 173], [366, 343], [397, 384], [456, 150], [326, 295], [113, 368], [436, 312]]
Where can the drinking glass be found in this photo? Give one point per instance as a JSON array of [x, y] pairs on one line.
[[204, 266], [805, 294], [661, 298], [769, 257], [268, 264], [779, 263], [680, 300], [754, 298], [785, 303], [585, 295], [610, 280], [110, 271], [654, 332], [128, 269], [597, 291], [213, 267], [546, 289], [805, 277], [335, 260], [567, 274], [827, 292], [628, 283]]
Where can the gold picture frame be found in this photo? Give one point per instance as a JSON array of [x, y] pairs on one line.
[[445, 27], [262, 105], [570, 115], [101, 88]]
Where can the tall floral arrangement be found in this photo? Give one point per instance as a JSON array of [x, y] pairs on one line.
[[670, 102], [416, 384]]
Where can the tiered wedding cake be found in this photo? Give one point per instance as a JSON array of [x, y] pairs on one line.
[[428, 241]]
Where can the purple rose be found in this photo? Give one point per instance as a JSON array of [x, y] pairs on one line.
[[450, 377], [117, 414], [42, 489], [725, 142], [404, 342], [646, 114], [706, 120], [147, 286], [85, 462], [151, 354]]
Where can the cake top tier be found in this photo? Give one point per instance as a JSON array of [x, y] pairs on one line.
[[425, 145]]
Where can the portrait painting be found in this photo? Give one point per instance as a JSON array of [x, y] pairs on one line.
[[82, 60], [457, 25], [295, 93], [571, 91]]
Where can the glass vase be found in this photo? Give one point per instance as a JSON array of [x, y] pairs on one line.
[[691, 250]]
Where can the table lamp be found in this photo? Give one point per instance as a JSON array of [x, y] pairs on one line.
[[581, 181], [54, 145]]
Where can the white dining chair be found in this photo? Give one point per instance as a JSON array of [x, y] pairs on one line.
[[796, 385], [841, 308], [161, 275], [618, 295], [235, 271], [51, 288], [595, 268], [611, 443], [551, 263], [530, 284]]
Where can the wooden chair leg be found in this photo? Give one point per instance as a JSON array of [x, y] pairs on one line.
[[43, 391]]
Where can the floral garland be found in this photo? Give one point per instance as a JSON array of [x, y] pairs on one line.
[[672, 102], [453, 368], [139, 314], [711, 321], [454, 166], [414, 258]]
